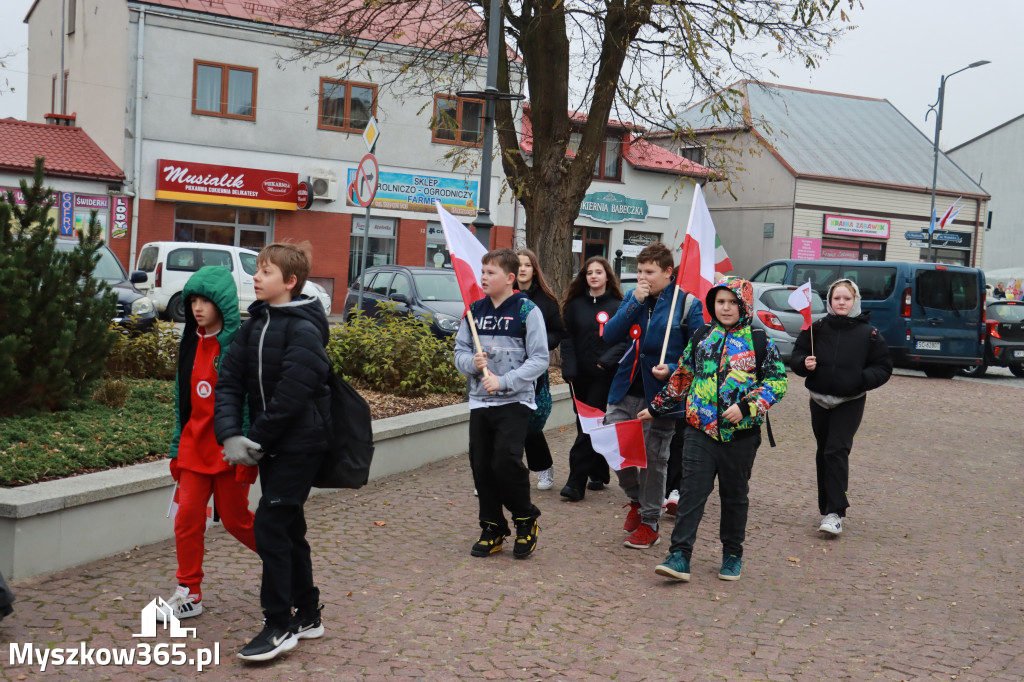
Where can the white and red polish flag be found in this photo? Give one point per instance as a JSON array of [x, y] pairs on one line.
[[800, 299], [621, 444], [950, 214], [590, 417], [697, 267], [466, 252]]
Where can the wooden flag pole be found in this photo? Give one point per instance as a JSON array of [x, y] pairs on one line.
[[476, 339], [668, 327], [811, 329]]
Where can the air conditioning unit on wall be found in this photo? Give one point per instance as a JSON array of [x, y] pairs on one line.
[[324, 188]]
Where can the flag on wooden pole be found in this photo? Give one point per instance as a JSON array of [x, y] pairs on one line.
[[466, 253], [697, 267]]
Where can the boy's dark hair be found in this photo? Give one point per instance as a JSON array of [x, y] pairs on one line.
[[657, 253], [506, 259], [291, 258]]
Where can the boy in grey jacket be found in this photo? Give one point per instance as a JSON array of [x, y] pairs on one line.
[[501, 399]]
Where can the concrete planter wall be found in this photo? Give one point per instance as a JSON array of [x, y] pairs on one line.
[[51, 526]]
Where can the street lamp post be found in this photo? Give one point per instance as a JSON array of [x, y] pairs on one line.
[[937, 108], [483, 222]]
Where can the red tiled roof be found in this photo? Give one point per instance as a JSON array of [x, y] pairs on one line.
[[436, 24], [637, 151], [69, 151]]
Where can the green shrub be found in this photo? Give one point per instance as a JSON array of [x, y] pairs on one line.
[[394, 352], [54, 316], [88, 436], [146, 355], [112, 393]]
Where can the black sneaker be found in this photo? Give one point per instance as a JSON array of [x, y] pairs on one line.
[[595, 485], [307, 626], [571, 494], [269, 644], [526, 537], [491, 540]]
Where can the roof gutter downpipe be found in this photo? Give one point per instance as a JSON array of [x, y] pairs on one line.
[[137, 134]]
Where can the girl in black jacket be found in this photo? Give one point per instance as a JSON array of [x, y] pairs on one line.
[[531, 282], [588, 364], [849, 359]]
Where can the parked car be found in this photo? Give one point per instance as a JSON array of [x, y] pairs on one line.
[[134, 310], [168, 265], [931, 315], [780, 321], [1004, 338], [431, 293]]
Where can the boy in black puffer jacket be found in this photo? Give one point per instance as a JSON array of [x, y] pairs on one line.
[[278, 359], [850, 358]]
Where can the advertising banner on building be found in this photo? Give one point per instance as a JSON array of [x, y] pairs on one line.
[[806, 248], [228, 185], [415, 192], [856, 227], [85, 205], [120, 215]]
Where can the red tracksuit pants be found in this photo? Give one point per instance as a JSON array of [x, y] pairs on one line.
[[232, 501]]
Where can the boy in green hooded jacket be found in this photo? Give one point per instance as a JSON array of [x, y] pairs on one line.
[[197, 464]]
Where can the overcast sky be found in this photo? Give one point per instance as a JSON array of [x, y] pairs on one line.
[[899, 52]]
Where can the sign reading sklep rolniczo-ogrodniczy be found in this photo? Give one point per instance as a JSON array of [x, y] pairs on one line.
[[611, 207]]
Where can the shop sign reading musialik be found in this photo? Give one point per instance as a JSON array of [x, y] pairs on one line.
[[228, 185]]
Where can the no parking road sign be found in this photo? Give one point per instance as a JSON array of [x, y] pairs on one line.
[[364, 189]]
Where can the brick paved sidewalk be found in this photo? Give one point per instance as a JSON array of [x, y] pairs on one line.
[[925, 582]]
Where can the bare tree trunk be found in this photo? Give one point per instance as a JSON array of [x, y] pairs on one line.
[[550, 215]]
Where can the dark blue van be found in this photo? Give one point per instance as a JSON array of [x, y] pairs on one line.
[[931, 315]]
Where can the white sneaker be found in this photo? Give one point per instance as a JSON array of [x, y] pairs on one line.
[[546, 479], [832, 524], [671, 503], [183, 605]]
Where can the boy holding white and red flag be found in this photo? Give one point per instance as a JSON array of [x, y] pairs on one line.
[[502, 348], [726, 387], [651, 318]]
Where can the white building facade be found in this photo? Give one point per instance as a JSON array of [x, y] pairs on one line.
[[993, 160]]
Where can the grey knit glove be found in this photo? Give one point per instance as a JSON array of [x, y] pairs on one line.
[[241, 450]]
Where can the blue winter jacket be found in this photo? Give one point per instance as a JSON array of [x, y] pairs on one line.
[[652, 335]]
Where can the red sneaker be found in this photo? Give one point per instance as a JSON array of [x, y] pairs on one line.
[[632, 518], [643, 537]]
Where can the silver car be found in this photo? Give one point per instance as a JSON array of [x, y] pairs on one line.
[[774, 314]]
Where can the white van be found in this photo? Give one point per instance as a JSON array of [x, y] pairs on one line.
[[168, 265]]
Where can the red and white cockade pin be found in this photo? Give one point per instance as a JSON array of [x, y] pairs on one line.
[[602, 317], [634, 332]]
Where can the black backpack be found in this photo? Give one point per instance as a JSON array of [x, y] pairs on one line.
[[347, 463], [760, 352]]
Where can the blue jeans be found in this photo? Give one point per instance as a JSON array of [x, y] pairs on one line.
[[705, 458]]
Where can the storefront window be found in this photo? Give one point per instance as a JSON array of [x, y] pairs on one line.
[[437, 248], [587, 242], [380, 246], [947, 256], [248, 227], [632, 244], [842, 249]]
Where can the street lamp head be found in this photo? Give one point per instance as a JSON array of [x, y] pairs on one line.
[[983, 62]]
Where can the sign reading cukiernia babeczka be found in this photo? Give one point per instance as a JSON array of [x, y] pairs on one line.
[[611, 207]]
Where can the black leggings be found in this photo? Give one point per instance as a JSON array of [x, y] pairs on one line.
[[834, 430]]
